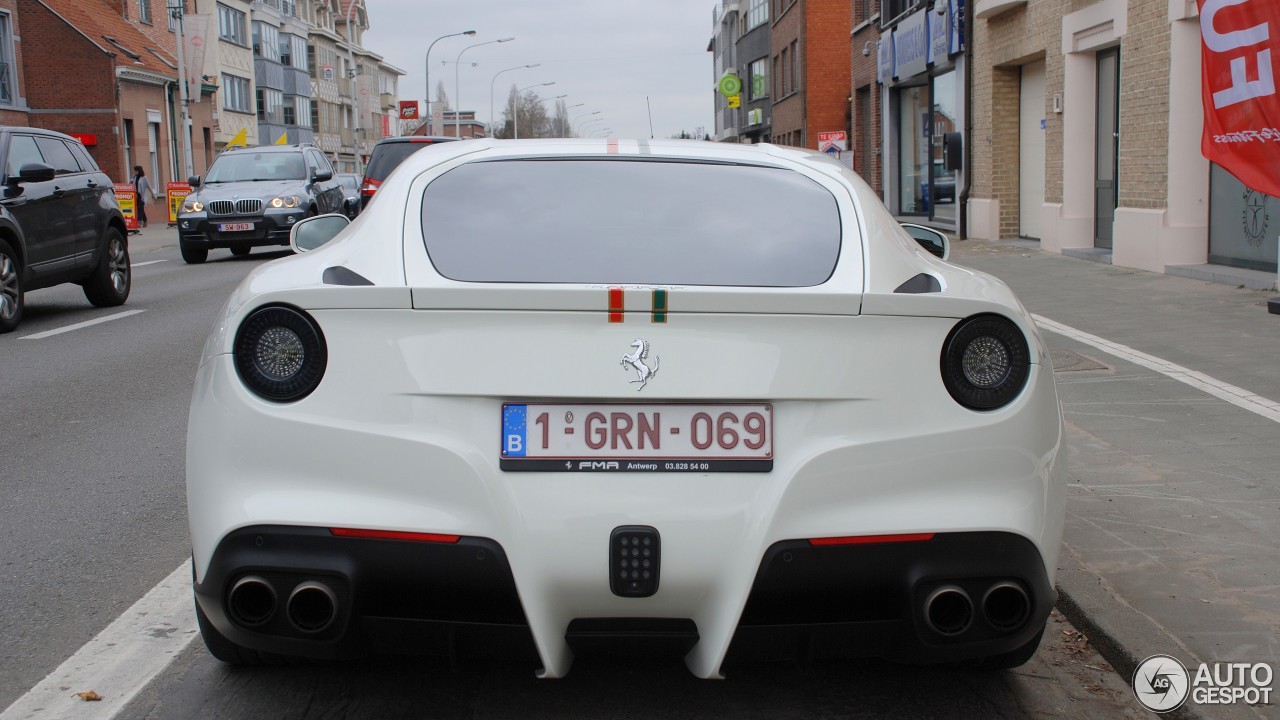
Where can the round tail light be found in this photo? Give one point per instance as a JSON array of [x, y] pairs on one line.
[[280, 353], [985, 362]]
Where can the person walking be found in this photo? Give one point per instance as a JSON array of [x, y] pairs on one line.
[[143, 187]]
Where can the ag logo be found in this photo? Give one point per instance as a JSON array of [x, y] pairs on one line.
[[1161, 683], [1255, 217]]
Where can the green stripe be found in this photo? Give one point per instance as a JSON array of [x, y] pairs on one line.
[[659, 306]]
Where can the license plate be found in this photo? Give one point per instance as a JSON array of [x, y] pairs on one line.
[[637, 438], [234, 227]]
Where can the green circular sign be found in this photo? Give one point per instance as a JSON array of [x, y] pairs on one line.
[[730, 85]]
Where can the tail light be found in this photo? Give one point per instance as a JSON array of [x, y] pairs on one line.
[[280, 353], [369, 187], [985, 362]]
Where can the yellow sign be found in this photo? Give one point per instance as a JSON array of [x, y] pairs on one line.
[[283, 139], [241, 138], [175, 193], [735, 101]]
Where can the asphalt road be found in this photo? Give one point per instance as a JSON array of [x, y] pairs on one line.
[[91, 469]]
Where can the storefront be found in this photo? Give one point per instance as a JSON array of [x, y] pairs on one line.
[[1243, 224], [921, 70]]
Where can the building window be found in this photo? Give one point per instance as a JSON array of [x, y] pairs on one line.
[[311, 60], [173, 21], [270, 106], [315, 117], [8, 79], [891, 10], [144, 11], [757, 13], [777, 78], [266, 41], [784, 75], [758, 72], [235, 94], [293, 51], [231, 25], [795, 66]]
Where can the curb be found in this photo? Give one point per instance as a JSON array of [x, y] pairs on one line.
[[1123, 636]]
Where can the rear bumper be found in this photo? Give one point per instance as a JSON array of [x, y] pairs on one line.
[[461, 598]]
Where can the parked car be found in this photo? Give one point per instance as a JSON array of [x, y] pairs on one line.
[[640, 417], [387, 154], [251, 197], [59, 223], [350, 183]]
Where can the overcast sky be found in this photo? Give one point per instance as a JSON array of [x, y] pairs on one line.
[[606, 54]]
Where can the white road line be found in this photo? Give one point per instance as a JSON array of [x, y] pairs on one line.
[[121, 660], [149, 262], [77, 326], [1237, 396]]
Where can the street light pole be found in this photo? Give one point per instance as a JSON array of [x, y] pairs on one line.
[[573, 126], [457, 79], [355, 94], [431, 130], [515, 112], [176, 9], [495, 79], [566, 116]]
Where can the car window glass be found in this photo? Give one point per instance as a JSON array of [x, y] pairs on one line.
[[387, 157], [313, 166], [321, 162], [22, 151], [243, 167], [58, 155], [630, 222], [82, 155]]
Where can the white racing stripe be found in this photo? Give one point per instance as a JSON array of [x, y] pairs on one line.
[[1237, 396], [77, 326], [121, 660], [149, 262]]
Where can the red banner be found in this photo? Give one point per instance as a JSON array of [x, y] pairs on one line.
[[408, 109], [1241, 105]]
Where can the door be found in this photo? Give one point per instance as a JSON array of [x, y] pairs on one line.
[[34, 205], [76, 198], [1031, 131], [1107, 147]]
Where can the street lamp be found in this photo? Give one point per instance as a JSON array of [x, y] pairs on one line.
[[495, 79], [176, 9], [566, 116], [355, 94], [515, 113], [427, 74], [573, 127], [457, 78]]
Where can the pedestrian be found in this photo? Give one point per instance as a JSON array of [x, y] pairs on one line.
[[143, 187]]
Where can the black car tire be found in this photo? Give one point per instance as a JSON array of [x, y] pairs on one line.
[[193, 254], [112, 279], [11, 297], [241, 249]]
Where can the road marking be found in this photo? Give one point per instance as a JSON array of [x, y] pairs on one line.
[[121, 660], [149, 262], [1237, 396], [77, 326]]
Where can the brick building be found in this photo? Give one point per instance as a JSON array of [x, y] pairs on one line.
[[809, 49], [13, 99], [1091, 116], [867, 128], [122, 99]]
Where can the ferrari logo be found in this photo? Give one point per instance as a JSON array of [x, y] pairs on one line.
[[636, 360]]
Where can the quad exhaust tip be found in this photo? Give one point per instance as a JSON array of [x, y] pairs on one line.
[[948, 610], [312, 607], [252, 601]]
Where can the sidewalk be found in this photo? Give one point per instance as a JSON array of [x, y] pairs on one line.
[[156, 235], [1172, 541]]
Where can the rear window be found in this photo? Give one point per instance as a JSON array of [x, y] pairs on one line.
[[388, 157], [649, 222]]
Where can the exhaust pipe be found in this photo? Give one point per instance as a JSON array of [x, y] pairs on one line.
[[948, 610], [312, 607], [1005, 605], [251, 602]]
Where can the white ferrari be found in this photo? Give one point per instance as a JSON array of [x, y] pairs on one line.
[[641, 396]]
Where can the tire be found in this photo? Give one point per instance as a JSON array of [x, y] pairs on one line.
[[193, 254], [110, 282], [11, 296], [1012, 659], [241, 250]]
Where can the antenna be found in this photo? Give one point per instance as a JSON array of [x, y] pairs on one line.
[[647, 106]]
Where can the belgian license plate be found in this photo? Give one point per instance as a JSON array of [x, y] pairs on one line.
[[234, 227], [637, 438]]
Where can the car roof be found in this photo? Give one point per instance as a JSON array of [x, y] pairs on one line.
[[415, 139], [35, 130]]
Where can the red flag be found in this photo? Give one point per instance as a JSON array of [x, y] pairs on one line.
[[1240, 49]]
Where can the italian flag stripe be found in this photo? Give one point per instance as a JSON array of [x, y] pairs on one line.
[[615, 305], [659, 306]]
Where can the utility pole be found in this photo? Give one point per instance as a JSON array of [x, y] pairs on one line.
[[355, 94], [176, 9]]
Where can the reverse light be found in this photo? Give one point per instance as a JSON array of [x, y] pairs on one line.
[[395, 535], [985, 362], [280, 353], [287, 201]]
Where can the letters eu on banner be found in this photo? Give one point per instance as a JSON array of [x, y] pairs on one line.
[[1241, 107]]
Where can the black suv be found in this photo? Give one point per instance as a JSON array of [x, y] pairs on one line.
[[386, 156], [251, 197], [59, 223]]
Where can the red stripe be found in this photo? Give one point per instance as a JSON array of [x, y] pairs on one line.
[[870, 539], [615, 305], [394, 535], [613, 146]]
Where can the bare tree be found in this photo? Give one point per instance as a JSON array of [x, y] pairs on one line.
[[442, 97], [560, 121], [527, 114]]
